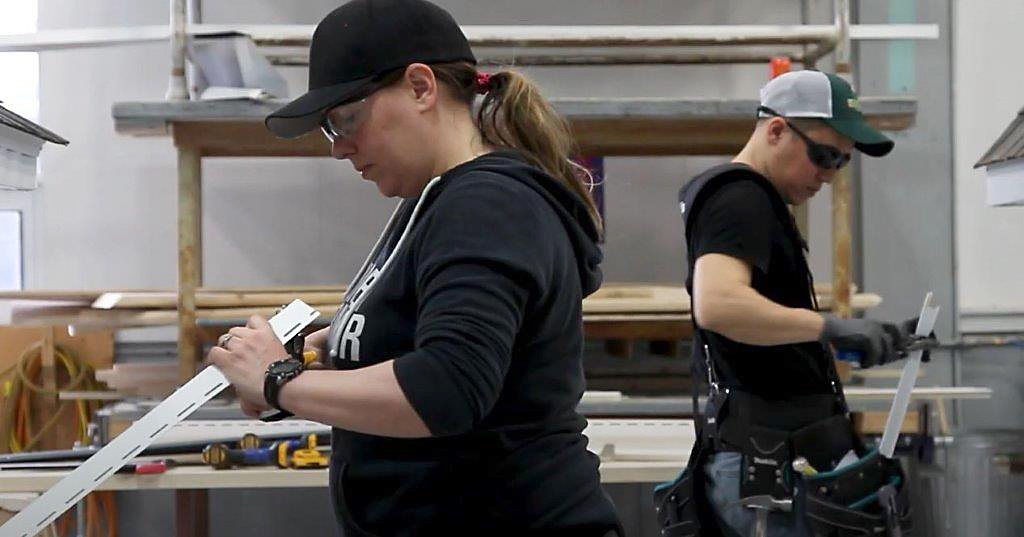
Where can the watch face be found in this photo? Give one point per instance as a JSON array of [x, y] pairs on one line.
[[284, 366]]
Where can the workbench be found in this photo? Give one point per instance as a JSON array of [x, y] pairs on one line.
[[205, 478], [193, 483]]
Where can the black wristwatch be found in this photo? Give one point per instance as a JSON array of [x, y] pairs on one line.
[[279, 373]]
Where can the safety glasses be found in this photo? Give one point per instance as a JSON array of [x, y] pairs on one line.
[[824, 156], [343, 121]]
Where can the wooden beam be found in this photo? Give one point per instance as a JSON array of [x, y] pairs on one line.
[[841, 243], [48, 403], [91, 295], [192, 512], [618, 319], [169, 299], [608, 127], [628, 330], [190, 256]]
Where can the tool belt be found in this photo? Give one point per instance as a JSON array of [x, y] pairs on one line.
[[770, 434], [866, 498]]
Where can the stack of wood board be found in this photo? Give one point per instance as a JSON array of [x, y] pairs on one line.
[[156, 379], [133, 308], [631, 310], [626, 312]]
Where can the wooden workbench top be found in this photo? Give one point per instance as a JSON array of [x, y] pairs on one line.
[[202, 477]]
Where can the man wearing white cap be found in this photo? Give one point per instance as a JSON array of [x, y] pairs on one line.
[[759, 339]]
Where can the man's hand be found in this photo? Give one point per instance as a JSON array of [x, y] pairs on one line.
[[909, 339], [877, 342]]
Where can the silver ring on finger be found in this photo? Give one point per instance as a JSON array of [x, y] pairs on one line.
[[224, 340]]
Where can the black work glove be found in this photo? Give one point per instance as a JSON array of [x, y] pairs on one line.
[[875, 341], [908, 339]]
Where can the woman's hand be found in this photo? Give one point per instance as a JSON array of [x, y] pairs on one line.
[[243, 355], [317, 342]]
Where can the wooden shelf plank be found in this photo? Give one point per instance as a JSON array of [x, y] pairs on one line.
[[602, 126]]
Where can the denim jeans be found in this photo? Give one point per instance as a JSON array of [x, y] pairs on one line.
[[722, 474]]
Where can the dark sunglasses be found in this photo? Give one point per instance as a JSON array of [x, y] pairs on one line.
[[821, 155]]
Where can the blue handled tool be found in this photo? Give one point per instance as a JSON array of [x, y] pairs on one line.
[[221, 457], [917, 343]]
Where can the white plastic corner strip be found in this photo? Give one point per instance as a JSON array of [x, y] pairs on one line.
[[900, 402], [184, 401]]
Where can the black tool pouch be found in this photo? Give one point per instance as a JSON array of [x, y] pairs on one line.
[[866, 498], [677, 502], [769, 435], [765, 456], [682, 506], [823, 443]]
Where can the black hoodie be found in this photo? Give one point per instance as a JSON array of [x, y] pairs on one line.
[[475, 290]]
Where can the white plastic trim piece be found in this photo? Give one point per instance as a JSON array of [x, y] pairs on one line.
[[641, 439], [231, 430], [925, 324], [185, 400]]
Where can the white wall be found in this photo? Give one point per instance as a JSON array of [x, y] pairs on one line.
[[988, 91]]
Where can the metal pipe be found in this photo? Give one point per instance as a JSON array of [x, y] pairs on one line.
[[580, 36], [581, 59], [635, 59], [841, 13], [177, 89], [817, 52], [80, 518], [300, 34], [693, 58], [194, 16], [594, 36], [967, 342], [626, 36], [805, 17]]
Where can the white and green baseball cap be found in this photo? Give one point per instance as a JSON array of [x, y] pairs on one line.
[[825, 96]]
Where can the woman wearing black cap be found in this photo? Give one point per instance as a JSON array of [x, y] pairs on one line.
[[456, 355]]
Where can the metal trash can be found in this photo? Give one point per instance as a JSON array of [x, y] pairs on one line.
[[984, 485]]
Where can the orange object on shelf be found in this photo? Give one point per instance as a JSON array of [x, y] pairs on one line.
[[780, 64]]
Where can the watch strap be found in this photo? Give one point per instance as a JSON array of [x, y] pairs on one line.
[[273, 382]]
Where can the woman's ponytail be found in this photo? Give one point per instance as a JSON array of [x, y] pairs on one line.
[[514, 115]]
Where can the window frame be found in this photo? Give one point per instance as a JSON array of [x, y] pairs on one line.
[[23, 202]]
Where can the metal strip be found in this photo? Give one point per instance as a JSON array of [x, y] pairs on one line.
[[925, 324], [185, 400]]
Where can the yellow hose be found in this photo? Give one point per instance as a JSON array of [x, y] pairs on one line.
[[16, 430]]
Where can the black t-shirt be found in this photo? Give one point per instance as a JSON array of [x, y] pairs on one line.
[[475, 291], [738, 219]]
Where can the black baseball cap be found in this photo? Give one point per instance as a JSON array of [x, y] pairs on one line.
[[358, 43]]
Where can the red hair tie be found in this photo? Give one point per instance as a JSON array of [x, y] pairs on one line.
[[483, 83]]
